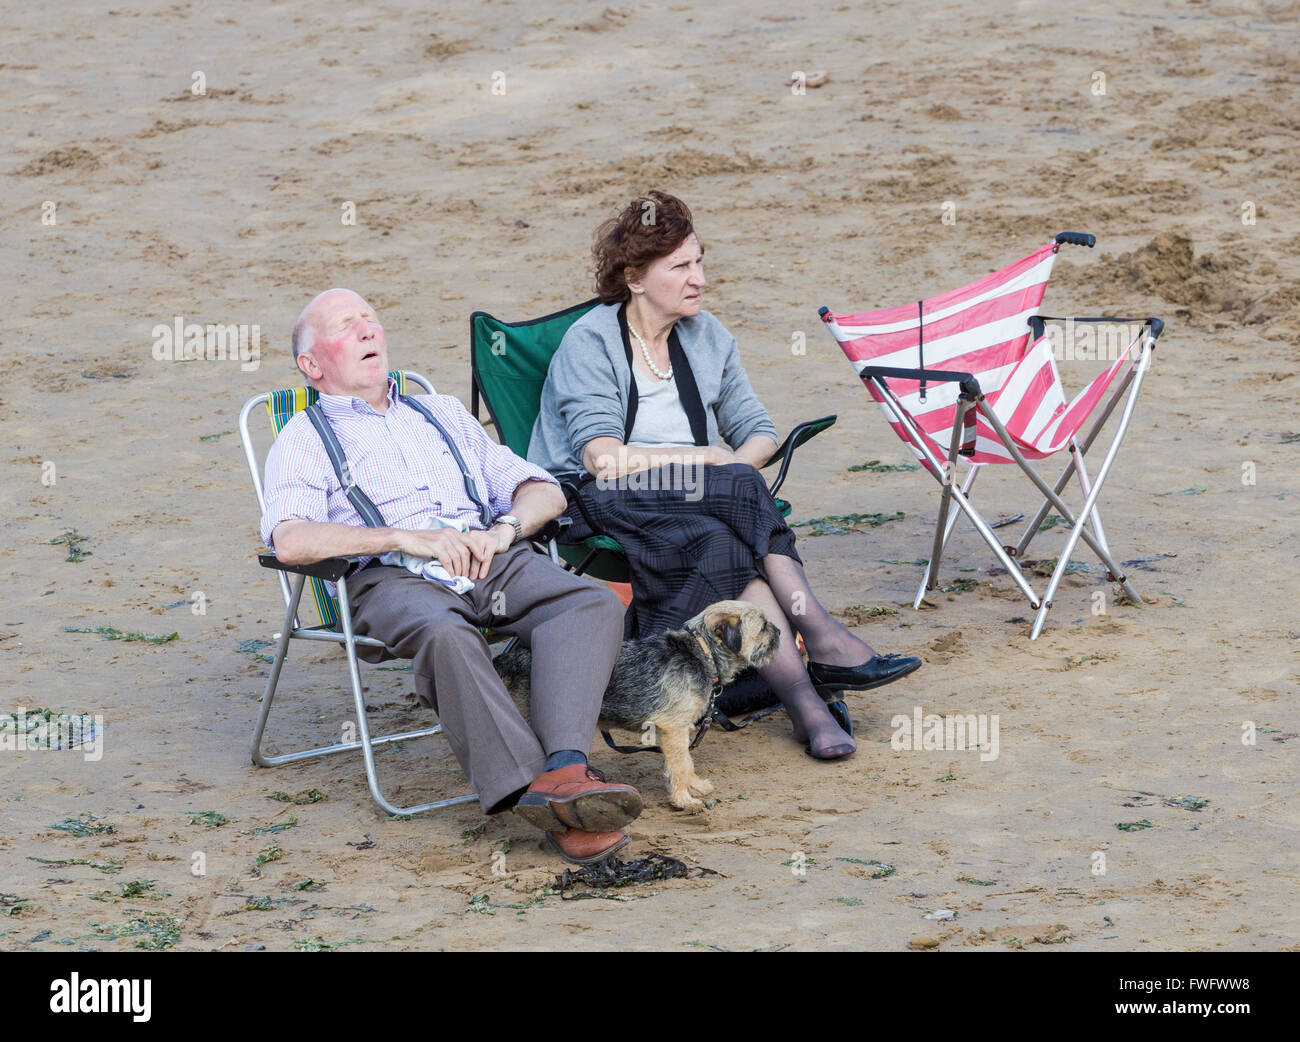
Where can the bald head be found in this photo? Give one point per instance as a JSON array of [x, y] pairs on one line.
[[339, 345], [305, 329]]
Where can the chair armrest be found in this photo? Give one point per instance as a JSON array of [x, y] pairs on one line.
[[969, 385], [572, 494], [804, 432], [552, 530], [331, 569]]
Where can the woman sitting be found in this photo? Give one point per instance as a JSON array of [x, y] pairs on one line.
[[637, 401]]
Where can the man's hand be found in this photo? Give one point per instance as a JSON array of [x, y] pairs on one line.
[[453, 549], [461, 553], [484, 545]]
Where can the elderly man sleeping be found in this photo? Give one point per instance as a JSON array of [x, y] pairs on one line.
[[445, 553]]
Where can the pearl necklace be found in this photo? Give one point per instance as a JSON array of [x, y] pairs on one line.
[[645, 353]]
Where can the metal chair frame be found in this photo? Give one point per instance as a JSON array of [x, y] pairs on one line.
[[334, 569]]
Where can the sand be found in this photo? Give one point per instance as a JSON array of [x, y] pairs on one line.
[[229, 207]]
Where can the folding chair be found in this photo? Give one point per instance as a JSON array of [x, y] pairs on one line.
[[994, 396], [335, 614], [508, 365]]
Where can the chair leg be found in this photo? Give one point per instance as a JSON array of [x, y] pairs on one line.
[[1078, 530], [1063, 480], [281, 652], [1090, 503], [990, 537], [1040, 515], [1097, 530], [981, 526], [261, 759], [363, 725], [943, 529]]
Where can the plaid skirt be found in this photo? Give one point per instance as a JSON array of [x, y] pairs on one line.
[[693, 536]]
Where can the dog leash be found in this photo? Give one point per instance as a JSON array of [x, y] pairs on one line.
[[701, 725]]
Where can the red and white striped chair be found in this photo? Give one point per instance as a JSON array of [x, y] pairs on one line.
[[971, 374]]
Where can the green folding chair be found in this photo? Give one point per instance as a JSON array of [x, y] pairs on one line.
[[508, 364], [335, 625]]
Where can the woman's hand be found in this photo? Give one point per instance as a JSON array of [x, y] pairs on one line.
[[718, 456], [609, 458]]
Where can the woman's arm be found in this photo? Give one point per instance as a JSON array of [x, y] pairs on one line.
[[741, 416], [756, 451], [609, 458]]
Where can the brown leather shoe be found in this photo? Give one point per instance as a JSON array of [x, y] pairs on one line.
[[585, 848], [578, 797]]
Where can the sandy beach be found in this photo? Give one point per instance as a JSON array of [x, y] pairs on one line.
[[1144, 795]]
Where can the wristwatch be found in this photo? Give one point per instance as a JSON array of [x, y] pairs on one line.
[[510, 519]]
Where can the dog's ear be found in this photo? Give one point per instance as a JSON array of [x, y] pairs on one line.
[[727, 630]]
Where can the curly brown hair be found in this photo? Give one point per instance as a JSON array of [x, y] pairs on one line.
[[651, 226]]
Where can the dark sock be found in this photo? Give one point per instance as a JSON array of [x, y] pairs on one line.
[[564, 758]]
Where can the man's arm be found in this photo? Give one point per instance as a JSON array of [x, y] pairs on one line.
[[535, 503], [302, 542]]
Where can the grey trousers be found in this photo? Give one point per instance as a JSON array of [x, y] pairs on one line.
[[573, 625]]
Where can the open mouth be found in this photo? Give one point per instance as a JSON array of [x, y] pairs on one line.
[[369, 355]]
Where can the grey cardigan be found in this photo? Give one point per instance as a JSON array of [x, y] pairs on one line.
[[587, 384]]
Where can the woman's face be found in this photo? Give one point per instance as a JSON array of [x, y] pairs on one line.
[[671, 285]]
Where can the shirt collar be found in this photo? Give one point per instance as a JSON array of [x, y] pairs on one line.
[[348, 405]]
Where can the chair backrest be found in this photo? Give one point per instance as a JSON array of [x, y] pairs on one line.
[[281, 407], [508, 363], [1031, 405], [982, 328]]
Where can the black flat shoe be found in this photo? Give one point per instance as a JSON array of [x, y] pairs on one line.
[[875, 672], [841, 714]]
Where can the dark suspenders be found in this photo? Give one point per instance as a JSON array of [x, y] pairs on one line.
[[362, 503]]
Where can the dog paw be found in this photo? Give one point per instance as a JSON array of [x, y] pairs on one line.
[[700, 786], [685, 802]]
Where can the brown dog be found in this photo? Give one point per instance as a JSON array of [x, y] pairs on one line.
[[670, 681]]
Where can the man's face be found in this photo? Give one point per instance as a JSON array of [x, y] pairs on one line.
[[350, 353]]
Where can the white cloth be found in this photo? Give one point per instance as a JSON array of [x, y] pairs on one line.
[[430, 567]]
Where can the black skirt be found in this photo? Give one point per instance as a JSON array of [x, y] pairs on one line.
[[693, 536]]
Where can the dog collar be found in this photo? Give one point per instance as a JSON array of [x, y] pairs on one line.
[[708, 644], [710, 714]]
